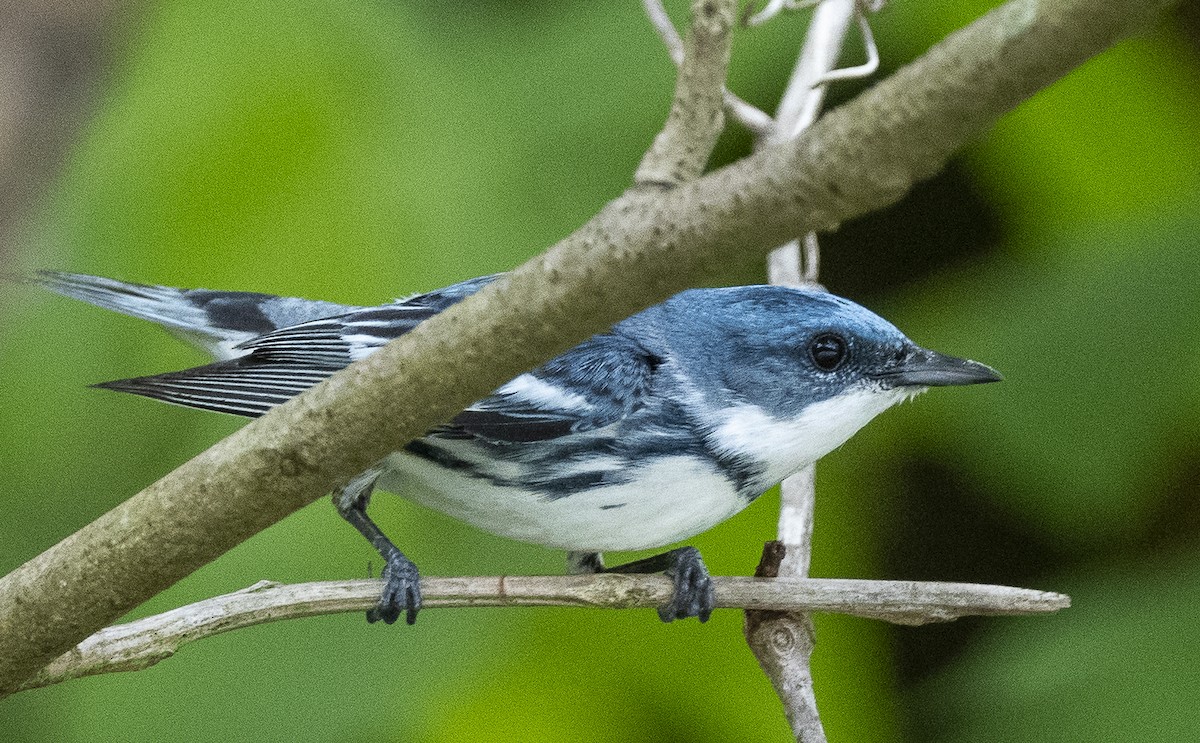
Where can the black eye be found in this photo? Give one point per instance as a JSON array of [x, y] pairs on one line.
[[828, 351]]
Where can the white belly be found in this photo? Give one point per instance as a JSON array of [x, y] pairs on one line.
[[669, 501]]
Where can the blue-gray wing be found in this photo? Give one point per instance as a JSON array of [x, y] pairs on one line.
[[597, 383], [276, 366], [215, 321]]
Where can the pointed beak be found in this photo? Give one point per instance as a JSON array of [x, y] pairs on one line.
[[924, 368]]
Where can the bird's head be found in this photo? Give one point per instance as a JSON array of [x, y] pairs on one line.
[[791, 374]]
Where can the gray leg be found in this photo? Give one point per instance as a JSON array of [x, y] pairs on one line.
[[584, 563], [693, 596], [401, 582]]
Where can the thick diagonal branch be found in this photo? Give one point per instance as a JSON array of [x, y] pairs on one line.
[[638, 250]]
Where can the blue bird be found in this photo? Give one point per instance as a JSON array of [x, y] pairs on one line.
[[671, 422]]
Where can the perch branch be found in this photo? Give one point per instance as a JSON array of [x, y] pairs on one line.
[[639, 249], [143, 643]]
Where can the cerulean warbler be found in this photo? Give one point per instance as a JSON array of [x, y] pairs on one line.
[[671, 422]]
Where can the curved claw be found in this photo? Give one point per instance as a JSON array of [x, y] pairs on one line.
[[694, 595], [401, 591]]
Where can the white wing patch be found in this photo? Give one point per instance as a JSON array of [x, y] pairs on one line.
[[362, 345], [544, 394]]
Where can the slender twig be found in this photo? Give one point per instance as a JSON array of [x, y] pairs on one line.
[[866, 69], [798, 109], [639, 249], [757, 122], [783, 642], [774, 8], [682, 148], [802, 100], [666, 30], [145, 642]]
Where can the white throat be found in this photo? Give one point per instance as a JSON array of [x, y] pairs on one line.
[[784, 446]]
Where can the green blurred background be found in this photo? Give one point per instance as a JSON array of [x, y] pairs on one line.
[[359, 151]]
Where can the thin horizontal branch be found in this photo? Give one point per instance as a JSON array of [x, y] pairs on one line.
[[142, 643], [640, 249]]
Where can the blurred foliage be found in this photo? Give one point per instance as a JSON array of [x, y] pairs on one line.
[[359, 151]]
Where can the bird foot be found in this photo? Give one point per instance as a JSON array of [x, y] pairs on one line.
[[694, 596], [401, 591]]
